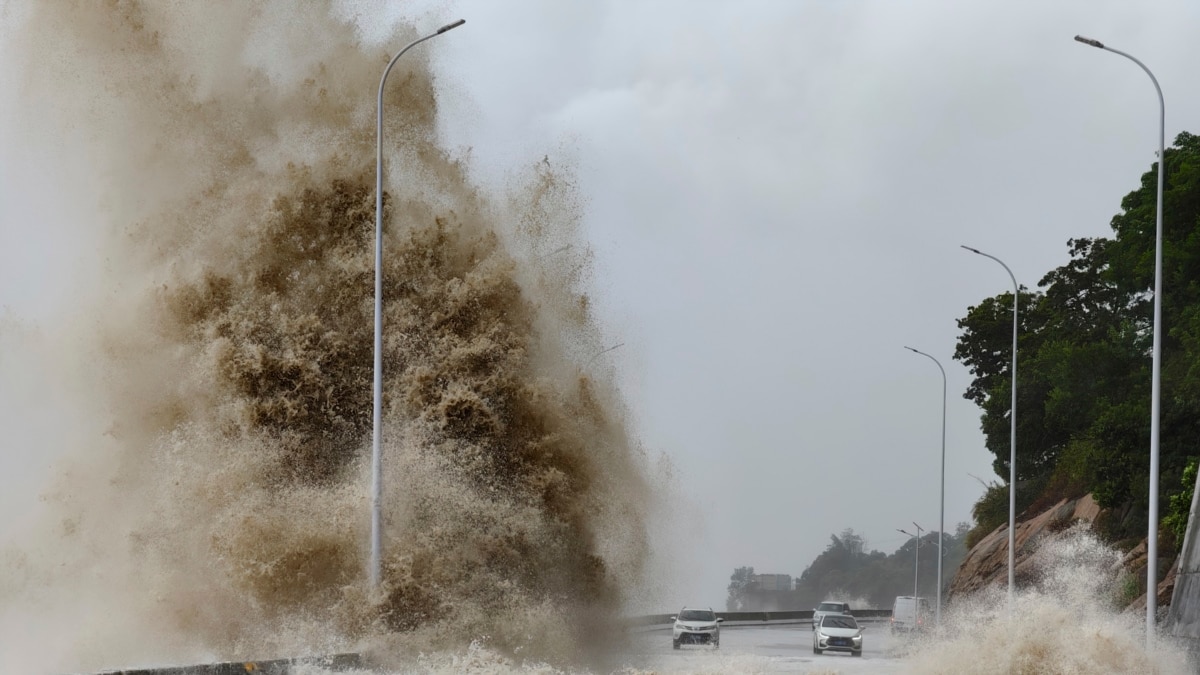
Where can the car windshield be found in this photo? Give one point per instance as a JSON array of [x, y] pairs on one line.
[[697, 615], [838, 621], [830, 607]]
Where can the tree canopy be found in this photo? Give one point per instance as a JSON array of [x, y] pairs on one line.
[[1084, 355], [847, 571]]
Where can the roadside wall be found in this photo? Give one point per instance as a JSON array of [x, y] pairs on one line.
[[340, 662], [335, 662], [1183, 616]]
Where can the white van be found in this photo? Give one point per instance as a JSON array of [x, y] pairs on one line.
[[910, 614]]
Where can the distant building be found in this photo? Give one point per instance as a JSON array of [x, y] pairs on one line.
[[773, 582]]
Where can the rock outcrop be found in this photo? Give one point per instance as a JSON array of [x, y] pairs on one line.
[[1135, 561], [986, 563]]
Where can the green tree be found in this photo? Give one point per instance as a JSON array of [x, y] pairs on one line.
[[847, 569], [1084, 353], [1175, 522], [741, 586]]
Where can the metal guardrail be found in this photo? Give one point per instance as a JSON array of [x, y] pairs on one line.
[[652, 622], [758, 617]]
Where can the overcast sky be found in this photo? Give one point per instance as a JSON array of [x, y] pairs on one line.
[[775, 197]]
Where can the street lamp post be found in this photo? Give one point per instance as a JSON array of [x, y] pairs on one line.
[[377, 407], [1012, 415], [1156, 351], [916, 557], [942, 509]]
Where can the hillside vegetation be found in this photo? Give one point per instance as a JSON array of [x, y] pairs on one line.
[[1084, 366]]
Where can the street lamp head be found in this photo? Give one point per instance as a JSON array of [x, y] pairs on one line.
[[451, 26], [1089, 41], [972, 250]]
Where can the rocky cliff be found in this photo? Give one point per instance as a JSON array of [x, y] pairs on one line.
[[987, 563]]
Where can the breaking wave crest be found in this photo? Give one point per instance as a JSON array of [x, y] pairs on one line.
[[223, 511]]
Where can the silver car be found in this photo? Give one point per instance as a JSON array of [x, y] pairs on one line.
[[838, 633]]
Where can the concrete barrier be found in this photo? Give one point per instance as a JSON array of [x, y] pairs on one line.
[[338, 662], [1183, 616], [335, 662]]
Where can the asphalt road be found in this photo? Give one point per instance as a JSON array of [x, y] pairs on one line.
[[764, 649]]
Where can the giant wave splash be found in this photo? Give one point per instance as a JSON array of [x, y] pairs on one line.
[[213, 503]]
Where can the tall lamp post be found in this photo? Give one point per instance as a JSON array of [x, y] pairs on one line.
[[377, 408], [1156, 351], [916, 557], [942, 509], [1012, 452]]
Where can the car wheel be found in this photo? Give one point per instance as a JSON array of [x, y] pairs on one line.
[[675, 644], [816, 651], [855, 653], [716, 644]]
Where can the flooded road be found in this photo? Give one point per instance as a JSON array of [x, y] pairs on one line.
[[765, 649]]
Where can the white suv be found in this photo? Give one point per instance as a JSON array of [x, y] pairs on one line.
[[696, 626]]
